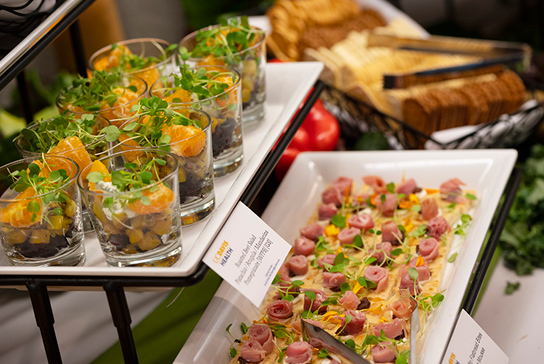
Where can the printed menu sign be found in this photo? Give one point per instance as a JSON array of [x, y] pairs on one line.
[[247, 253], [470, 344]]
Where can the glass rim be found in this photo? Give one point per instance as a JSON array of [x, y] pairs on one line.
[[184, 104], [18, 138], [115, 155], [191, 35], [142, 95], [204, 129], [166, 44], [32, 159]]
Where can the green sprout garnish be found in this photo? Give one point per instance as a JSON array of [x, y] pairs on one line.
[[129, 61]]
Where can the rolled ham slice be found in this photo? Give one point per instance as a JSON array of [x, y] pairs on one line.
[[312, 231], [377, 275], [451, 191], [380, 251], [392, 233], [403, 308], [299, 352], [407, 187], [361, 222], [437, 226], [279, 311], [320, 297], [388, 206], [304, 246], [356, 325], [326, 211], [429, 208], [298, 265], [328, 259], [428, 249], [297, 326], [251, 351], [383, 353], [423, 270], [284, 273], [263, 335], [407, 284], [332, 195], [377, 183], [346, 235], [333, 281], [343, 184], [349, 301], [391, 329]]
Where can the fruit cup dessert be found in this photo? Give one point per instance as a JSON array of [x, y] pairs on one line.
[[40, 212], [81, 139], [111, 95], [186, 133], [217, 91], [146, 58], [134, 204], [237, 44]]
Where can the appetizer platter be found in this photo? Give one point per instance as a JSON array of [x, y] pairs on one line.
[[387, 301], [287, 86]]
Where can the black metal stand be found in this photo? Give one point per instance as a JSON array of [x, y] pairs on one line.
[[77, 46]]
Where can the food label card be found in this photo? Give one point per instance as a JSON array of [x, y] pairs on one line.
[[247, 253], [470, 344]]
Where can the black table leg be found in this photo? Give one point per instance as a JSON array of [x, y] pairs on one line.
[[45, 320], [120, 314]]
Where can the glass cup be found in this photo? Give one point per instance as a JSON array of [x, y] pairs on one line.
[[250, 63], [194, 155], [109, 58], [131, 231], [44, 229], [116, 114], [82, 155], [225, 111]]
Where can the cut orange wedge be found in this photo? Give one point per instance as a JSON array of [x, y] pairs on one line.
[[161, 199], [16, 213], [98, 166], [186, 141]]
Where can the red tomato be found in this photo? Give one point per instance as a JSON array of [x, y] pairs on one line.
[[286, 159]]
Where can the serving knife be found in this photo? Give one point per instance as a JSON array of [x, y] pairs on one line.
[[318, 337], [414, 329]]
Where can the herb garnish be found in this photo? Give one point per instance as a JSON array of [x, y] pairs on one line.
[[129, 61]]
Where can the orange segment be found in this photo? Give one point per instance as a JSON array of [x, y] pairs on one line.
[[120, 108], [73, 148], [130, 146], [98, 166], [16, 213], [160, 200], [181, 94], [186, 141]]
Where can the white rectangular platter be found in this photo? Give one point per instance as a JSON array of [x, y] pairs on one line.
[[485, 171], [286, 87]]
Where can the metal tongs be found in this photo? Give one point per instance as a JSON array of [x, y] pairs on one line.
[[318, 337], [415, 326]]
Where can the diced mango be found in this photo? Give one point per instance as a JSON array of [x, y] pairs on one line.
[[135, 235], [150, 241]]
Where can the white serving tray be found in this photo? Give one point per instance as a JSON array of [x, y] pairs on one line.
[[485, 171], [286, 87]]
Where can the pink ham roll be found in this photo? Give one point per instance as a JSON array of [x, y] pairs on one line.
[[343, 184], [346, 235], [304, 246], [392, 233], [312, 231], [377, 183], [298, 265], [326, 211], [407, 187], [451, 191], [327, 259], [437, 226], [377, 275], [403, 308], [333, 281], [252, 351], [362, 222], [383, 353], [423, 271], [299, 352], [356, 325], [429, 208], [320, 297], [279, 311], [428, 249], [407, 284], [263, 335], [388, 206], [297, 326], [349, 301], [380, 251], [332, 195], [391, 329]]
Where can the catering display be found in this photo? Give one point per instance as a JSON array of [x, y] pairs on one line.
[[216, 90], [237, 44]]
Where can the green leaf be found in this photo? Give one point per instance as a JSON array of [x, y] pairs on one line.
[[358, 241], [323, 353], [416, 208], [511, 287], [112, 133], [419, 231], [233, 352], [390, 187], [95, 177], [311, 295], [33, 206], [145, 200], [396, 252], [338, 220], [244, 328], [452, 258], [470, 196], [414, 274]]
